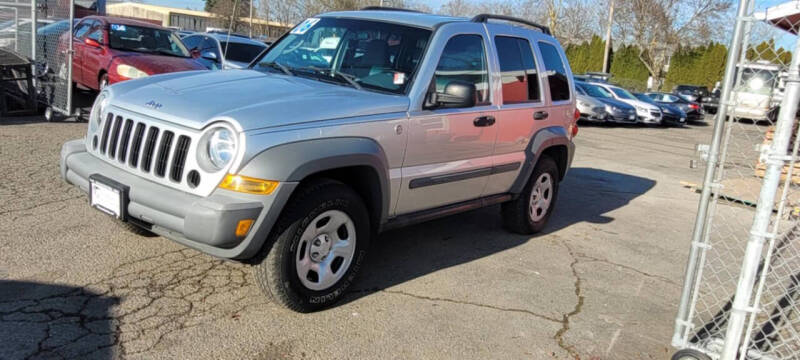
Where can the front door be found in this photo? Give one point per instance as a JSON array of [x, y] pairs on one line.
[[448, 156], [78, 48]]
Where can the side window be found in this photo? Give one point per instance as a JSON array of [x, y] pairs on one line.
[[464, 59], [556, 72], [82, 28], [191, 42], [518, 70], [96, 34]]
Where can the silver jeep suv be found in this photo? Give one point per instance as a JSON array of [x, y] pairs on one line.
[[352, 123]]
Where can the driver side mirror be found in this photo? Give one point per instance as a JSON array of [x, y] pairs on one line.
[[209, 55], [195, 53], [457, 94], [92, 42]]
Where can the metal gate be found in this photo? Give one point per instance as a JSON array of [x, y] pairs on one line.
[[39, 31], [741, 295]]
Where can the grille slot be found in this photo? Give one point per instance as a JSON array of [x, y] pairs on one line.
[[154, 150], [179, 158], [125, 140], [163, 153], [106, 130], [149, 149], [136, 146]]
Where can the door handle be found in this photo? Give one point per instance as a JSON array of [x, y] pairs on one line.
[[484, 121], [540, 115]]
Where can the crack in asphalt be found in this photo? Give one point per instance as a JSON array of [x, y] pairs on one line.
[[10, 211], [133, 309], [559, 336], [588, 258]]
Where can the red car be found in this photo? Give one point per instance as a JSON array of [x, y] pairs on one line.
[[109, 50]]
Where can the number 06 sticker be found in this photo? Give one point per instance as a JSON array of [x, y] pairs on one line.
[[305, 26]]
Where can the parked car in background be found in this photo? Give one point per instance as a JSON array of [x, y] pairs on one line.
[[223, 51], [184, 33], [47, 40], [16, 35], [616, 111], [693, 110], [759, 91], [646, 113], [670, 114], [694, 93], [109, 50], [592, 109]]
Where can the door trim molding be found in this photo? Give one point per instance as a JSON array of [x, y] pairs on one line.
[[462, 175]]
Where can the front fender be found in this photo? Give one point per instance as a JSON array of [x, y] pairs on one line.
[[294, 162]]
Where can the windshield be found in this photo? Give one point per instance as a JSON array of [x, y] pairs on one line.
[[241, 52], [623, 94], [360, 53], [146, 40], [596, 91], [645, 98], [757, 81]]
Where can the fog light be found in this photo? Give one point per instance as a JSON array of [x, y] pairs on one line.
[[248, 185], [243, 227]]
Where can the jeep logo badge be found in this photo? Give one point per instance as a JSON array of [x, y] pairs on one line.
[[153, 104]]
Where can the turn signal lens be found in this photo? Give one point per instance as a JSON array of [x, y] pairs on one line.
[[248, 185], [243, 227]]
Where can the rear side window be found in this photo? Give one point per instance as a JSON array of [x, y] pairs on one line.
[[464, 59], [556, 72], [518, 70]]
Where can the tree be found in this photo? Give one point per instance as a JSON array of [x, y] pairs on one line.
[[658, 27], [231, 13], [627, 68]]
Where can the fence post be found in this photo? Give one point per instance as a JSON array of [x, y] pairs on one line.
[[33, 30], [766, 201], [708, 179]]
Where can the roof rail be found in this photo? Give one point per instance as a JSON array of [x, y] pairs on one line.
[[386, 8], [485, 18]]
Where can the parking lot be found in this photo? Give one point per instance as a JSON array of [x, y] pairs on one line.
[[602, 282]]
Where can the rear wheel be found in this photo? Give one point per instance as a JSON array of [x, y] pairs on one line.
[[528, 214], [316, 248], [103, 82]]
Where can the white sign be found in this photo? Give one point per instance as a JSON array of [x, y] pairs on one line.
[[305, 26]]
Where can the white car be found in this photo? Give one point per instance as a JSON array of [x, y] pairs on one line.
[[645, 113]]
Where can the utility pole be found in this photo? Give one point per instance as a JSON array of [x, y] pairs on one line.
[[251, 18], [608, 36]]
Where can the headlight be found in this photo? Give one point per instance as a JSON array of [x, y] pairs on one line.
[[130, 72], [610, 108], [221, 147], [755, 83], [95, 116]]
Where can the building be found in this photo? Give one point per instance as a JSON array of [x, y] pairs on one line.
[[190, 20]]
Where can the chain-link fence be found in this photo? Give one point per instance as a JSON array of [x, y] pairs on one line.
[[741, 295], [39, 30]]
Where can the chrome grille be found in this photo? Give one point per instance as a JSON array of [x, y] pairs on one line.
[[144, 146]]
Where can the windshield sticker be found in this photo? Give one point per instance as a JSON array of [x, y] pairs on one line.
[[305, 26], [117, 27], [399, 78]]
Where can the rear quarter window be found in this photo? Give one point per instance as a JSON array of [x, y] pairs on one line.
[[557, 78]]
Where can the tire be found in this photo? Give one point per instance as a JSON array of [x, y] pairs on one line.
[[134, 229], [689, 354], [320, 215], [521, 216]]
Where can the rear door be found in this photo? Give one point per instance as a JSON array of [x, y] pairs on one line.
[[561, 105], [521, 104]]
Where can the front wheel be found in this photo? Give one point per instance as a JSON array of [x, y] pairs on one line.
[[316, 248], [528, 214]]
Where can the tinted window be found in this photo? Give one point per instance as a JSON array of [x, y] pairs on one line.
[[623, 94], [145, 40], [464, 59], [241, 52], [518, 70], [556, 72]]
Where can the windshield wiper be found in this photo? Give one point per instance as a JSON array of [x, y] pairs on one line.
[[350, 79], [278, 66]]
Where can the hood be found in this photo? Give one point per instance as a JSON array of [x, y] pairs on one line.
[[593, 102], [671, 109], [642, 104], [157, 64], [617, 103], [252, 99]]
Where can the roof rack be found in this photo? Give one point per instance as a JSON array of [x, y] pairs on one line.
[[386, 8], [485, 18]]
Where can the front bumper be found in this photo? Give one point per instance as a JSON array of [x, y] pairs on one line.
[[207, 224]]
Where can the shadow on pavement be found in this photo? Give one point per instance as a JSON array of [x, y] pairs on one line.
[[586, 195], [54, 321]]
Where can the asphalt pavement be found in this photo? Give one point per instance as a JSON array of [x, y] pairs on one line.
[[602, 282]]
